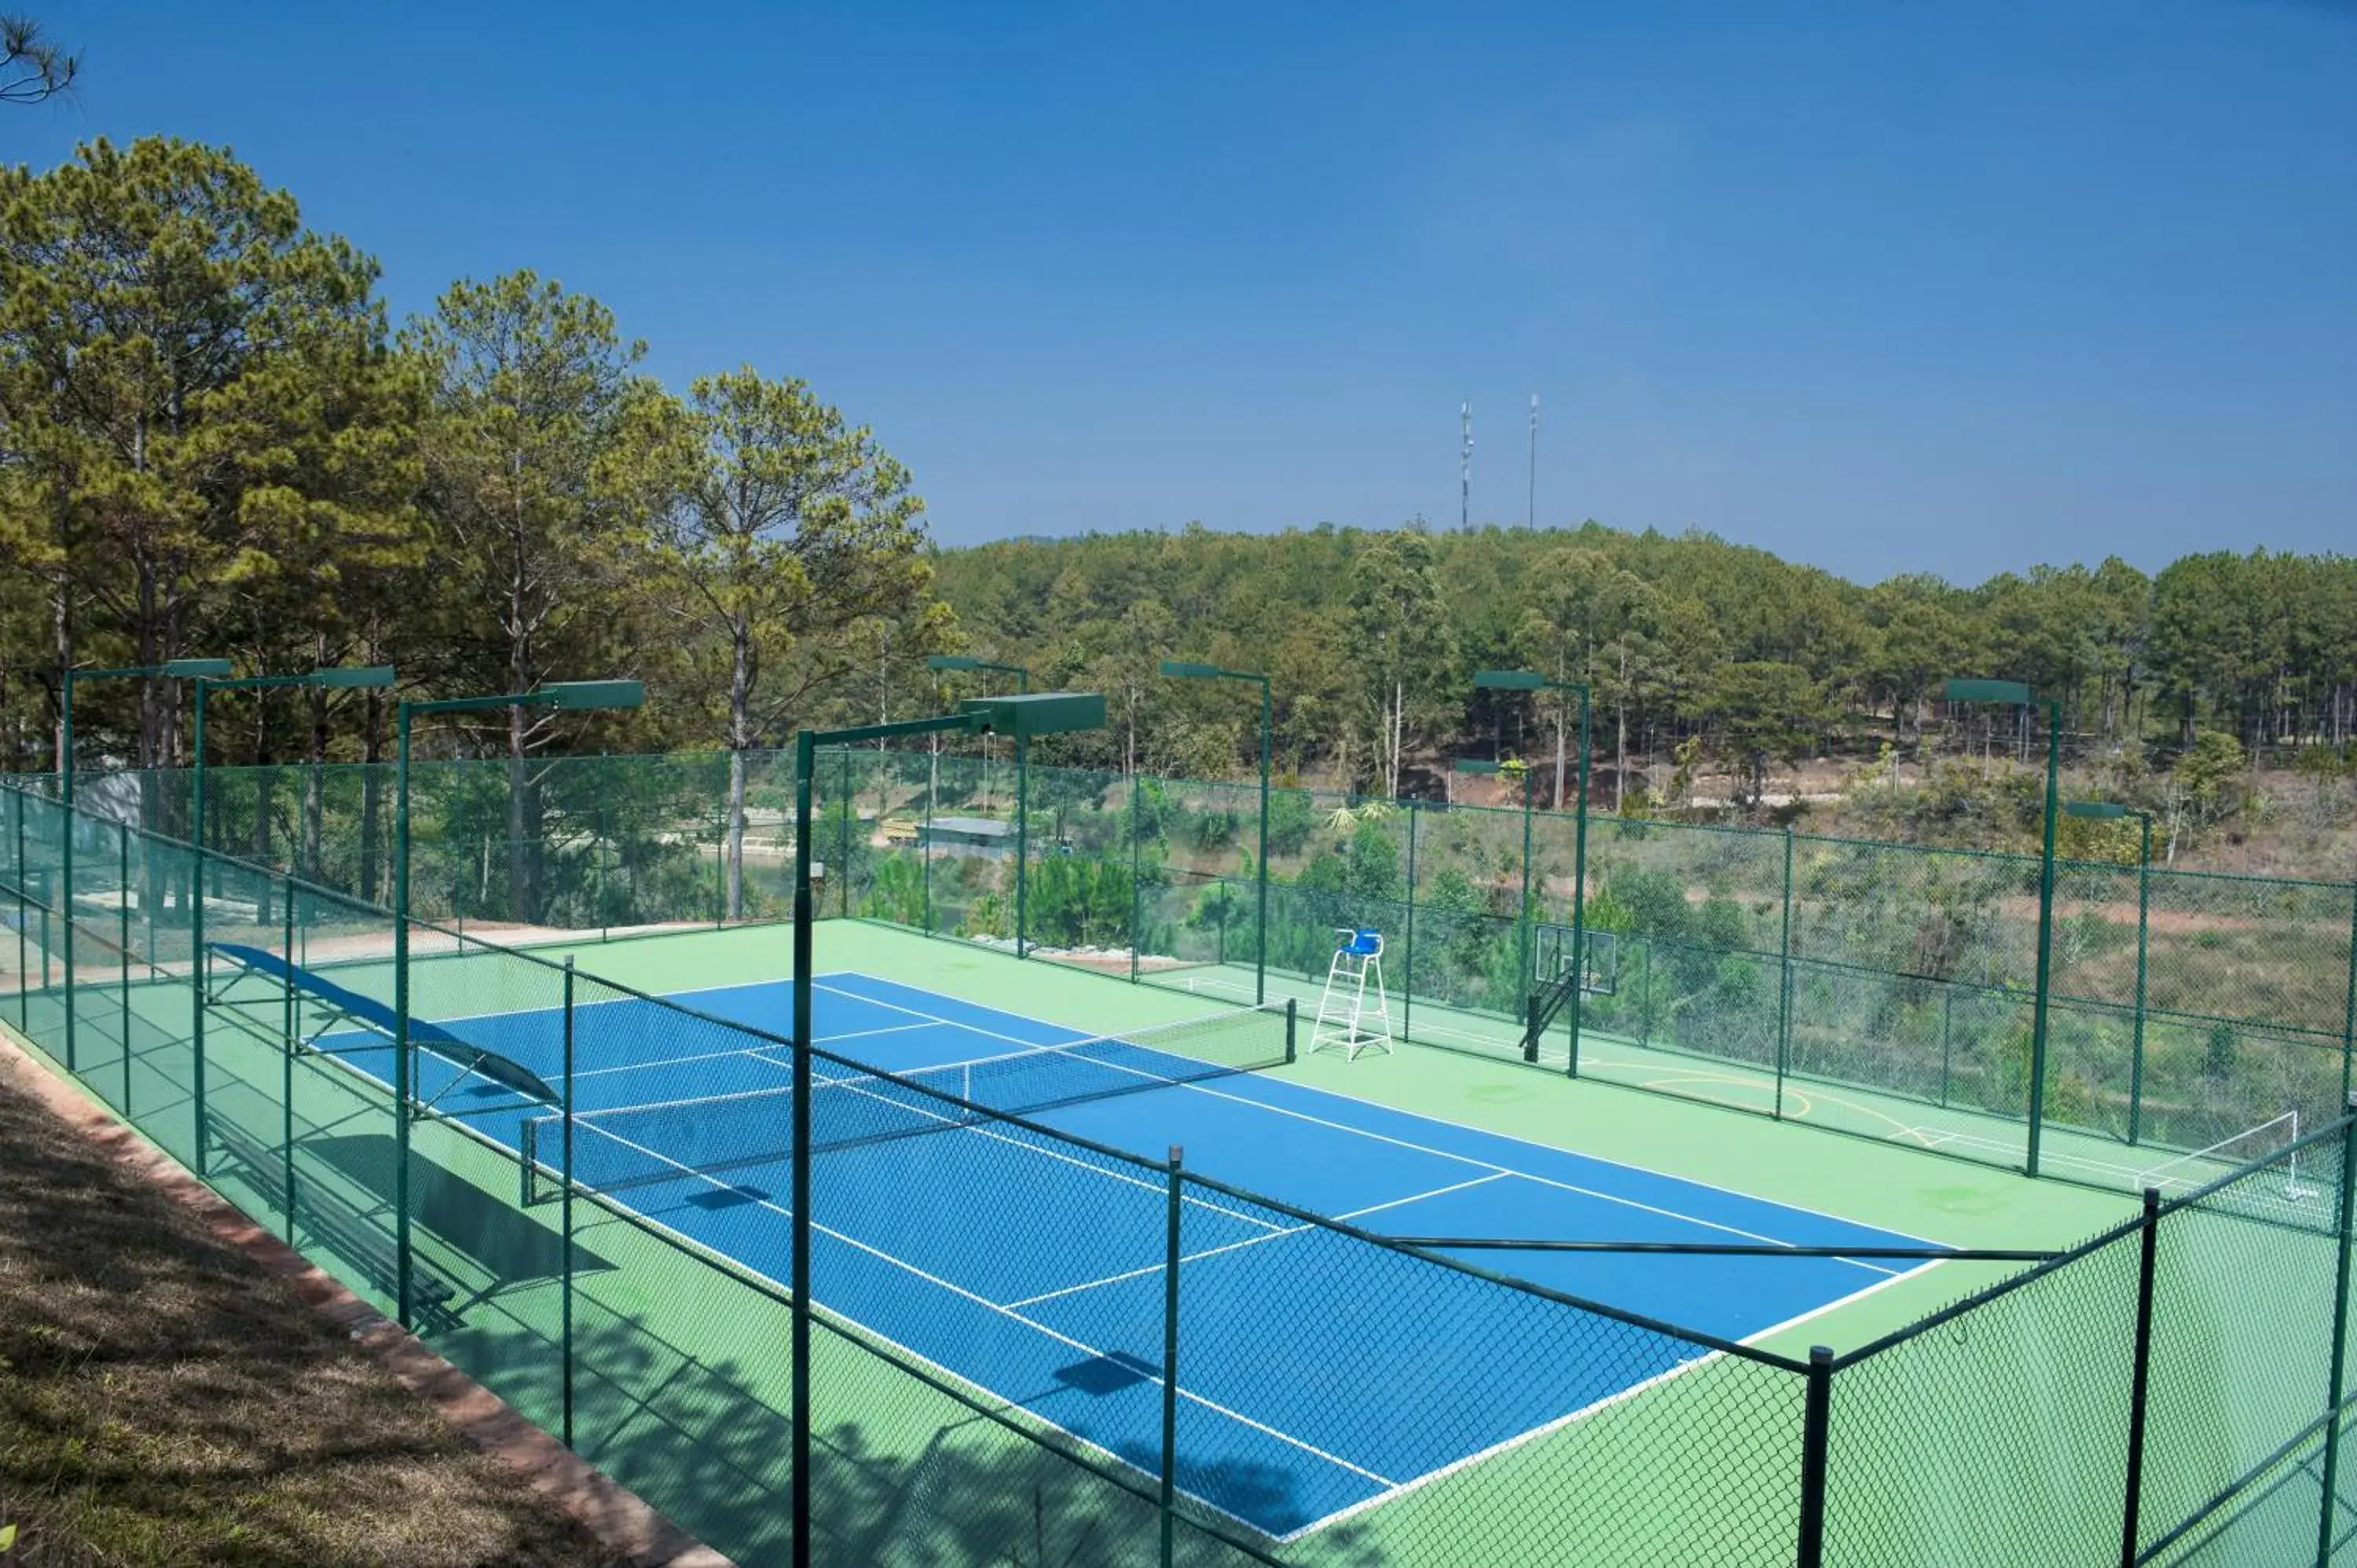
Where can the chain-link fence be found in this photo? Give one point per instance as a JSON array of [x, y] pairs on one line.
[[1028, 1348], [1888, 990]]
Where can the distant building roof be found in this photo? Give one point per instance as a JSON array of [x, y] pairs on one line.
[[972, 827]]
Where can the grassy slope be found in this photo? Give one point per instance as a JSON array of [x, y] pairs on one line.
[[162, 1401]]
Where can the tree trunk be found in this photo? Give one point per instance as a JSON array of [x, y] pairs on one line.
[[1398, 729], [1619, 752]]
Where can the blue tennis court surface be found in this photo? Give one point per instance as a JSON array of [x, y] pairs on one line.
[[1319, 1374]]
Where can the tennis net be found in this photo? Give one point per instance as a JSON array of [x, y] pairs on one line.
[[696, 1140]]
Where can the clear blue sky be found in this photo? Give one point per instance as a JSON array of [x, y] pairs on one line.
[[1880, 286]]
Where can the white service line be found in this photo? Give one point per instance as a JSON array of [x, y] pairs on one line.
[[1418, 1148], [985, 1129], [985, 1302], [1508, 1170], [1251, 1242]]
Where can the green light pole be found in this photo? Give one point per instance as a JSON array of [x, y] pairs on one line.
[[564, 694], [1181, 671], [2015, 694], [1022, 790], [2111, 811], [340, 677], [171, 669], [1023, 716], [1531, 681]]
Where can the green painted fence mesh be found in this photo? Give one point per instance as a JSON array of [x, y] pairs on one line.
[[2203, 1346], [1883, 990]]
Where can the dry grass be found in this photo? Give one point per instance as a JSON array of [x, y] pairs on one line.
[[162, 1401]]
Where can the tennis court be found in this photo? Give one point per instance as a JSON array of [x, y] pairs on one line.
[[1321, 1374]]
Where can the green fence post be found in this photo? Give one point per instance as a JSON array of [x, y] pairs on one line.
[[1578, 1001], [605, 916], [2038, 1038], [1817, 1431], [1407, 970], [198, 993], [1784, 983], [850, 810], [2348, 1007], [564, 1205], [1947, 1037], [2140, 1380], [286, 1067], [2335, 1389], [1023, 848], [123, 945], [2144, 939], [1170, 1261], [24, 920], [66, 933], [1524, 958], [1137, 884]]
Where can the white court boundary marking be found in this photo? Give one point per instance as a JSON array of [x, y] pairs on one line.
[[1406, 1143], [982, 1301], [1391, 1489], [1494, 1172]]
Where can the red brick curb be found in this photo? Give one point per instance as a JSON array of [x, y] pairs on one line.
[[615, 1515]]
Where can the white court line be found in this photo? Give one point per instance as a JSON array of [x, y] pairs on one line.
[[1249, 1241], [986, 1130], [1607, 1403], [1447, 1154], [756, 1053], [1402, 1489], [985, 1302], [1494, 1172]]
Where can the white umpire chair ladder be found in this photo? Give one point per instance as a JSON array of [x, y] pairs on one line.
[[1345, 1021]]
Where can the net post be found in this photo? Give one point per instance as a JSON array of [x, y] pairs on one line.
[[1292, 1024], [286, 1065], [1171, 1355], [2336, 1386], [123, 951], [1817, 1431], [565, 1207], [2141, 1378]]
